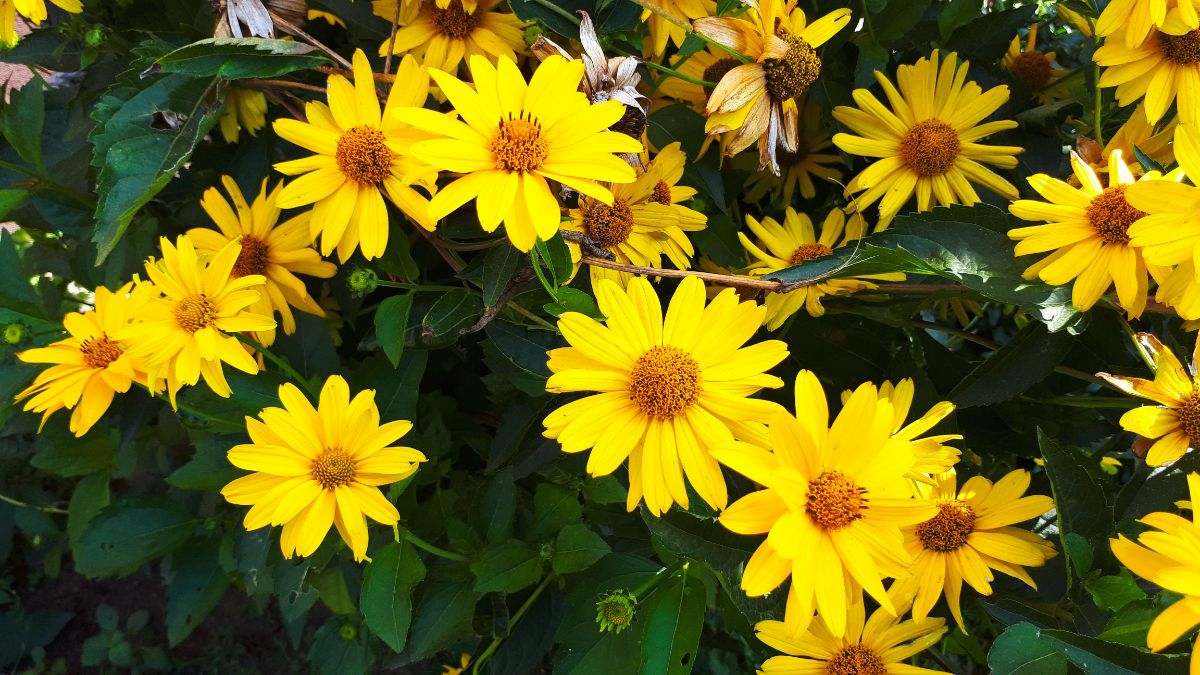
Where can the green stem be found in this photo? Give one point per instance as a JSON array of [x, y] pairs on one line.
[[497, 641], [675, 73], [558, 10], [867, 18], [662, 575], [195, 412], [20, 504], [532, 317], [406, 534], [1137, 344], [282, 364], [1097, 127], [417, 287]]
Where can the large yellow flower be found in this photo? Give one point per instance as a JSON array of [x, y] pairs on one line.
[[269, 249], [872, 646], [1169, 556], [1089, 231], [91, 365], [971, 535], [514, 136], [442, 36], [1170, 233], [931, 455], [928, 142], [794, 241], [1164, 68], [671, 391], [182, 335], [811, 159], [833, 501], [316, 467], [1132, 21], [33, 10], [358, 153], [1174, 424], [1136, 134], [758, 99]]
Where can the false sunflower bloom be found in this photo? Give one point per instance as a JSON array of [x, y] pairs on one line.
[[1088, 230], [972, 534], [874, 646], [245, 109], [1163, 68], [663, 28], [780, 246], [758, 99], [1032, 67], [797, 169], [931, 455], [359, 152], [273, 250], [34, 11], [443, 34], [1132, 22], [1174, 424], [928, 142], [833, 502], [1136, 134], [671, 390], [514, 136], [1169, 234], [322, 466], [182, 336], [89, 367], [1166, 556]]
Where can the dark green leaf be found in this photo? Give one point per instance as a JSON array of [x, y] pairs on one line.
[[126, 534], [386, 597], [898, 18], [557, 256], [209, 468], [91, 495], [871, 57], [236, 58], [1114, 592], [1018, 651], [499, 266], [27, 630], [16, 293], [671, 633], [677, 123], [63, 455], [443, 616], [577, 548], [985, 39], [508, 567], [21, 120], [554, 507], [1108, 658], [454, 310], [11, 199], [525, 347], [1081, 505], [955, 14], [391, 323], [573, 300], [498, 507], [1028, 358], [194, 586], [332, 654]]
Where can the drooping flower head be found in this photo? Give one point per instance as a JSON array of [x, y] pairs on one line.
[[1033, 68], [442, 34], [811, 159], [671, 390], [245, 109], [1163, 68], [322, 466]]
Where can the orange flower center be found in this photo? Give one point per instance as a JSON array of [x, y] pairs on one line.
[[100, 351], [608, 225], [1182, 49], [1111, 216], [195, 312], [791, 75], [949, 529], [363, 155], [856, 660], [1032, 68], [717, 70], [661, 194], [519, 145], [1189, 417], [252, 259], [333, 468], [454, 22], [834, 500], [664, 382], [808, 252], [930, 148]]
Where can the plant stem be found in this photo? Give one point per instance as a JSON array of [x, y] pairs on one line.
[[867, 19], [664, 573], [1137, 344], [387, 63], [496, 641], [407, 535], [20, 504], [282, 364], [531, 316], [417, 287], [558, 10], [299, 32], [676, 73]]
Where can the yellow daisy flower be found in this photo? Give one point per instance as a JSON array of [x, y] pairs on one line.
[[513, 137], [971, 535], [871, 646], [182, 335], [328, 17], [34, 12], [928, 142], [758, 99], [1167, 556], [358, 153], [1163, 68], [91, 365], [316, 467], [780, 246], [1076, 20], [442, 36], [663, 29], [1174, 424], [811, 159], [275, 251], [833, 502], [1133, 21], [244, 109], [1170, 233], [1089, 231], [1032, 67], [671, 391], [1153, 140], [931, 455]]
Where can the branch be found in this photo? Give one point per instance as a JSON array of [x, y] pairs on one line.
[[299, 32]]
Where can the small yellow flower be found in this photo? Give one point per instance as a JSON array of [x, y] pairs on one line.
[[244, 109], [1034, 68], [464, 660], [320, 467], [441, 37], [34, 11], [1163, 68]]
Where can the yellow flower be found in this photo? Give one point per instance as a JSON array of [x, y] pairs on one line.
[[183, 334], [964, 311], [1168, 556], [671, 391], [709, 64], [662, 28], [971, 534], [758, 99], [833, 502], [1077, 21], [1089, 231], [514, 136], [33, 10], [872, 646], [275, 251], [1032, 67], [464, 660], [1137, 132], [783, 245], [931, 455], [328, 17], [244, 109], [442, 36], [1160, 68], [91, 365], [316, 467], [928, 142], [1174, 425], [358, 152], [1133, 21], [812, 158]]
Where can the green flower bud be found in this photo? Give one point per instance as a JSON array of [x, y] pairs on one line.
[[616, 610], [531, 34], [95, 36], [348, 632], [15, 333], [363, 281], [546, 551]]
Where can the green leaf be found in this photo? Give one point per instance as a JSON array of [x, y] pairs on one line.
[[11, 199], [16, 293], [583, 649], [507, 568], [1114, 592], [871, 57], [27, 630], [674, 123], [195, 585], [236, 58], [557, 256], [1096, 656], [127, 534], [22, 118], [499, 265], [391, 323], [898, 18], [330, 584], [332, 654], [443, 616], [454, 310], [1027, 359], [1019, 651], [525, 347], [985, 39], [91, 495], [955, 14], [674, 617], [209, 468], [573, 300], [577, 548], [386, 597], [63, 455], [497, 508], [554, 507], [1081, 505]]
